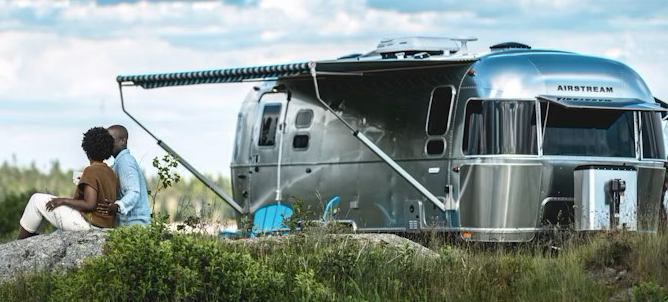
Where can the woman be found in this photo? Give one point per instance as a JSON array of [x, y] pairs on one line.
[[98, 184]]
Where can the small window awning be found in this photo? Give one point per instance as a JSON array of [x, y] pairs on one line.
[[607, 103]]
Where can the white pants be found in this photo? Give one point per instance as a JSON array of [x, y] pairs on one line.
[[63, 217]]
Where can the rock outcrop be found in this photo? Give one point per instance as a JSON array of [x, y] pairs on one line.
[[58, 250], [371, 239]]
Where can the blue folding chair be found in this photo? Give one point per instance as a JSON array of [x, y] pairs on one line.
[[331, 208], [269, 219]]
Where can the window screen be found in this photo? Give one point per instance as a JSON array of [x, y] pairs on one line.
[[303, 119], [439, 111], [270, 117]]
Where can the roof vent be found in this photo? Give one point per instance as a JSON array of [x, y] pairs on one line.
[[509, 46], [420, 47]]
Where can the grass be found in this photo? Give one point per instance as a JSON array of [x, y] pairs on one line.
[[151, 264]]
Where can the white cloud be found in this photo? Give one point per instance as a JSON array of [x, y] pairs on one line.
[[59, 60]]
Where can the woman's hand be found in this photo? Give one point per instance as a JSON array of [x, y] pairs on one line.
[[54, 203]]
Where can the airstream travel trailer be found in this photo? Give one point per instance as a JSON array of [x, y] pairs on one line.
[[420, 135]]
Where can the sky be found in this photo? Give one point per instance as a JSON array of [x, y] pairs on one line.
[[59, 59]]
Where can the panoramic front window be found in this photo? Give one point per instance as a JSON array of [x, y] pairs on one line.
[[500, 127], [269, 122], [587, 132]]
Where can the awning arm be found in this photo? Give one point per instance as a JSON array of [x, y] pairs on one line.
[[664, 115], [207, 182], [388, 160]]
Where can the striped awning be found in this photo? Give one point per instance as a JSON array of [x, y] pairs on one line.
[[259, 73], [230, 75]]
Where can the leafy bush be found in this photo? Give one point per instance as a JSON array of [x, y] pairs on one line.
[[150, 264]]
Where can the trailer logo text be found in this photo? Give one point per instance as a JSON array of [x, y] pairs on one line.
[[582, 88], [559, 99]]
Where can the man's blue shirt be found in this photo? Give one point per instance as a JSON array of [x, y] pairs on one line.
[[133, 205]]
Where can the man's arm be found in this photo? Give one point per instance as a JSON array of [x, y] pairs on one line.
[[128, 179]]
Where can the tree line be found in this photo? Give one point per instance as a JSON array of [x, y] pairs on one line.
[[188, 197]]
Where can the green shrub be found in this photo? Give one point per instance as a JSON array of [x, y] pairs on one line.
[[149, 264]]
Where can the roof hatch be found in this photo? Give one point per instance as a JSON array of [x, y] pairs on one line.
[[509, 46]]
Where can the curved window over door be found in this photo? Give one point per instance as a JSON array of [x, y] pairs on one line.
[[439, 110], [270, 117]]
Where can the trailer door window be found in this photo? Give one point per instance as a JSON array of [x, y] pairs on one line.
[[439, 110], [500, 127], [270, 117], [587, 132]]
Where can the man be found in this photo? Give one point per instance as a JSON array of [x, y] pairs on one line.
[[132, 207]]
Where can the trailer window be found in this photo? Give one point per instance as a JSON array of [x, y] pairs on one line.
[[435, 146], [300, 141], [500, 127], [652, 136], [303, 119], [588, 132], [439, 110], [270, 117]]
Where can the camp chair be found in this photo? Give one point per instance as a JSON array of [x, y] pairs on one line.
[[269, 219], [331, 207]]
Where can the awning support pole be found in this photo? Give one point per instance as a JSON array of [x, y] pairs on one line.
[[207, 182]]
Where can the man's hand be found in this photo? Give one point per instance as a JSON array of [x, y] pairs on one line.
[[54, 203], [108, 209]]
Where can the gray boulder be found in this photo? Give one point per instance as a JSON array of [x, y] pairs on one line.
[[390, 241], [59, 250]]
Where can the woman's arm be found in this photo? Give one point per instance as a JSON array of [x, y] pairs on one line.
[[87, 204]]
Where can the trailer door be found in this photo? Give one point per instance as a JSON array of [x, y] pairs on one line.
[[265, 147]]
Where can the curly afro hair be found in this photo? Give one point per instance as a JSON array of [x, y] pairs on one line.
[[98, 143]]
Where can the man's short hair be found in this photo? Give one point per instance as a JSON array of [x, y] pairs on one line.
[[120, 130]]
